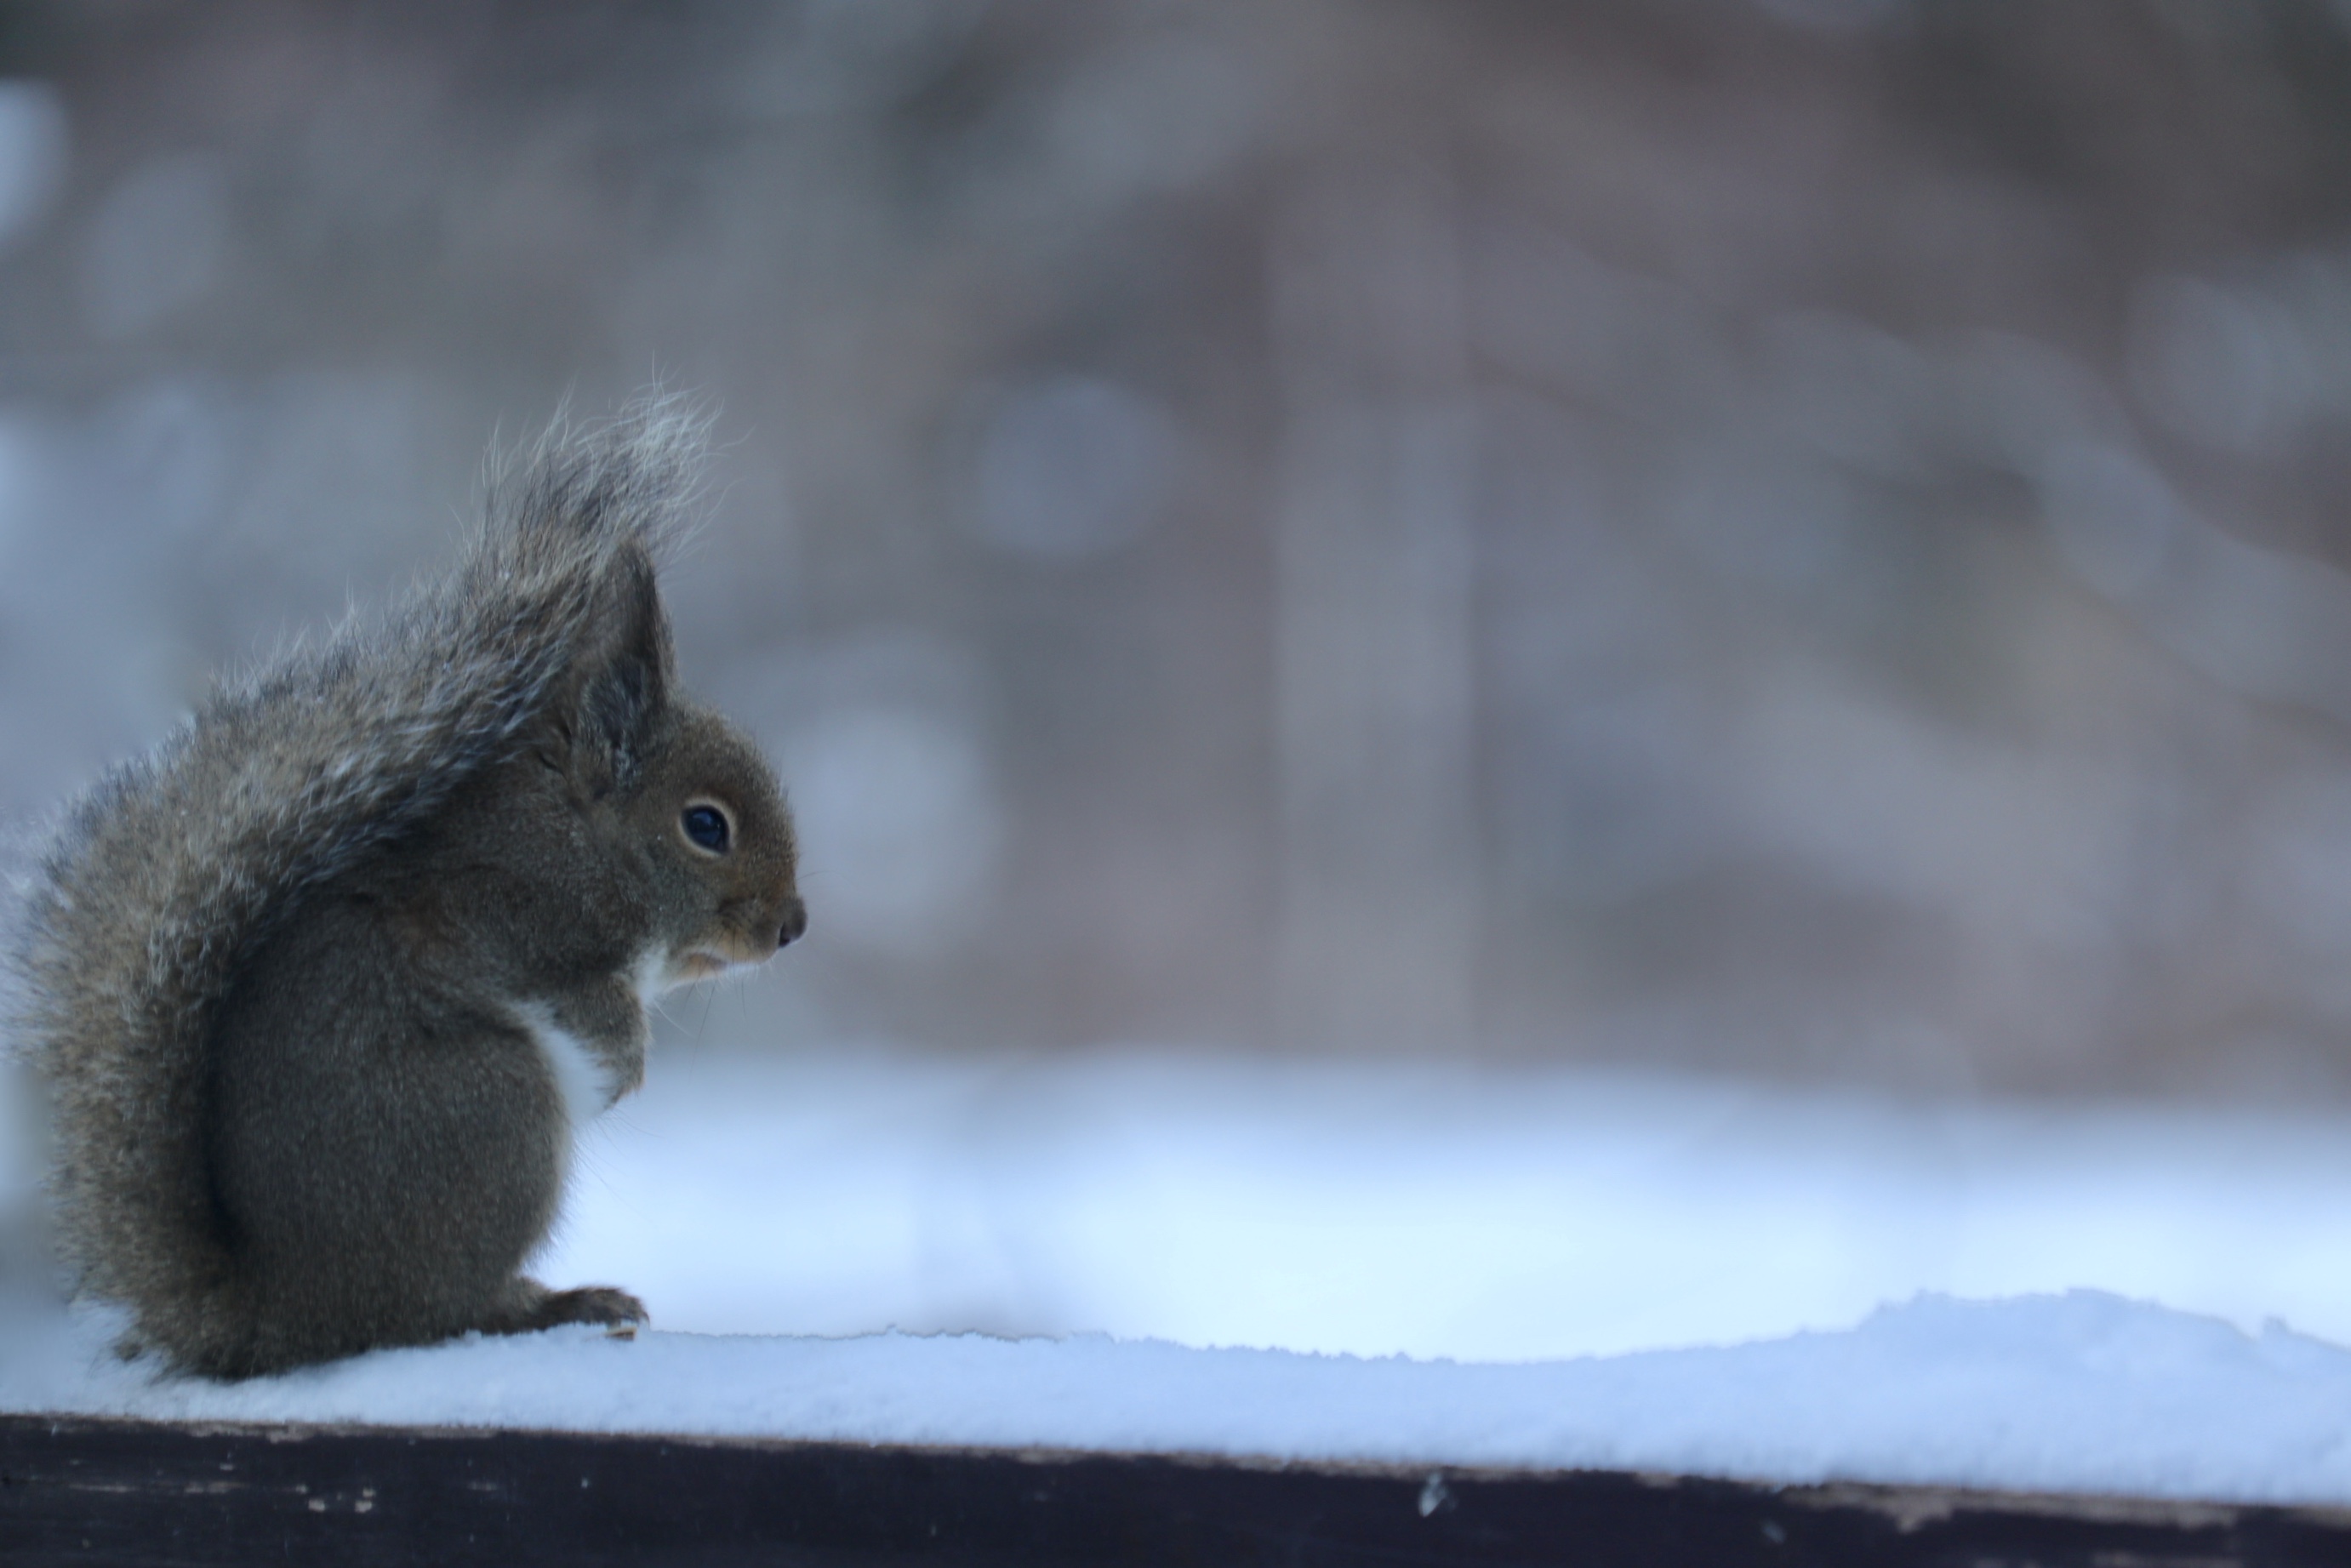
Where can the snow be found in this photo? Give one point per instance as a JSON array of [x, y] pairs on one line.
[[2085, 1391], [1538, 1242], [1431, 1210]]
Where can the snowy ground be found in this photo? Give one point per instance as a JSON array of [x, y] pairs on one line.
[[2082, 1393], [1431, 1211], [1521, 1226]]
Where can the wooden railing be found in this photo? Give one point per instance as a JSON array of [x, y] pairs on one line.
[[86, 1491]]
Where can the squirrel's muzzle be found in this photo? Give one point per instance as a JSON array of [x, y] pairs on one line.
[[795, 922]]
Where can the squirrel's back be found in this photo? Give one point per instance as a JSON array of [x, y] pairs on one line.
[[176, 870]]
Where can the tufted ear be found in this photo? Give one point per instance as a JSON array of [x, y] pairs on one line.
[[620, 685]]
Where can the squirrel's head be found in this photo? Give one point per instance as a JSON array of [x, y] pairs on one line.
[[693, 806], [719, 842]]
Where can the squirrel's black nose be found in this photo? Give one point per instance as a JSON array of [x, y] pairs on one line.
[[795, 924]]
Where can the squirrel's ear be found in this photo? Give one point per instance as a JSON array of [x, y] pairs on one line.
[[621, 681]]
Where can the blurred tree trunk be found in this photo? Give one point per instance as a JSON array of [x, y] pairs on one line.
[[1374, 673]]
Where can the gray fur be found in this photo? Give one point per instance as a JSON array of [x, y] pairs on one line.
[[279, 973]]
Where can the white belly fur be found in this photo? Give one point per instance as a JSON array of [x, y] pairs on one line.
[[651, 975], [581, 1077]]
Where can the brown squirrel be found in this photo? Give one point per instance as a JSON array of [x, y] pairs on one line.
[[321, 985]]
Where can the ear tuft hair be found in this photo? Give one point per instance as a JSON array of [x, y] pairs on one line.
[[636, 479], [623, 679]]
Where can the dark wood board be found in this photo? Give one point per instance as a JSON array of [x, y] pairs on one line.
[[85, 1491]]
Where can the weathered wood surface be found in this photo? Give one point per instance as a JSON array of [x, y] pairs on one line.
[[83, 1491]]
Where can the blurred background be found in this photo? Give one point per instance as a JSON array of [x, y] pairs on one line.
[[1802, 539]]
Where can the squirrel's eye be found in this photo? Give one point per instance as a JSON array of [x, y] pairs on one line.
[[706, 826]]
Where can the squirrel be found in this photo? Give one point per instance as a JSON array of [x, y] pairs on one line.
[[322, 986]]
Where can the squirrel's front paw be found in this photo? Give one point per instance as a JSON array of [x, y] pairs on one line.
[[528, 1306], [592, 1304]]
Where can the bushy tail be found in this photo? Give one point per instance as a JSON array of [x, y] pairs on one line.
[[165, 875]]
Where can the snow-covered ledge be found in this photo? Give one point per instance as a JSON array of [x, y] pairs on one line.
[[2084, 1392], [1550, 1229]]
